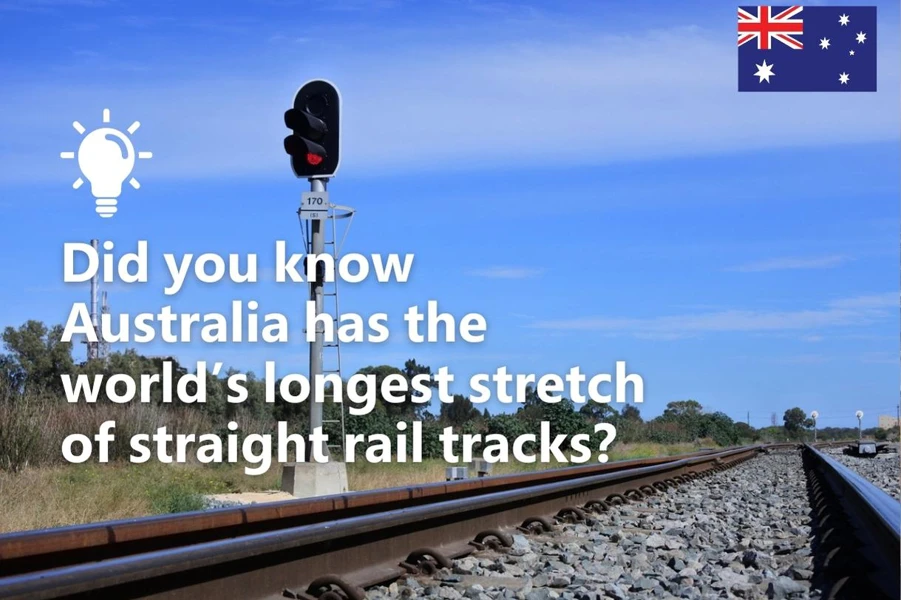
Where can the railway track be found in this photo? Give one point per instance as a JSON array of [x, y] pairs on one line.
[[63, 546], [335, 547], [856, 529]]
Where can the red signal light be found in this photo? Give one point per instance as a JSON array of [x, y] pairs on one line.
[[313, 159]]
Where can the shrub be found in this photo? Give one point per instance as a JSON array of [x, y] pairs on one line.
[[175, 498], [21, 424]]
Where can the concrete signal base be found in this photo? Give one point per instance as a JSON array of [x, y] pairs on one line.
[[308, 480]]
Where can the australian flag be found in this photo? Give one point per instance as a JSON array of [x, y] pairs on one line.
[[807, 49]]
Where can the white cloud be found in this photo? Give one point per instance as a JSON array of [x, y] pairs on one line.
[[582, 101], [860, 310], [788, 263], [804, 359], [49, 5], [280, 38], [505, 272], [869, 301], [880, 358]]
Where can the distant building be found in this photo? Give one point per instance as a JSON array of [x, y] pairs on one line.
[[888, 422]]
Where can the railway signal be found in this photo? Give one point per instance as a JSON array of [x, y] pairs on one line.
[[314, 148], [314, 144]]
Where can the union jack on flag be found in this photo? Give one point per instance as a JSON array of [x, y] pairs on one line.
[[765, 27], [807, 48]]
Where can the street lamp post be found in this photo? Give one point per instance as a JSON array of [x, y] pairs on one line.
[[814, 415], [859, 415]]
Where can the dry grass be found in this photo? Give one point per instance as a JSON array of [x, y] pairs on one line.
[[74, 494], [367, 476], [649, 450], [37, 491], [35, 425]]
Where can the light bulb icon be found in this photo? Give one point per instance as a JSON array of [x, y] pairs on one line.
[[106, 158]]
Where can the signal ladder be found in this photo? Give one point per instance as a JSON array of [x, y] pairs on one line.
[[331, 351]]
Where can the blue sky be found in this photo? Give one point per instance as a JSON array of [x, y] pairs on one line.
[[586, 176]]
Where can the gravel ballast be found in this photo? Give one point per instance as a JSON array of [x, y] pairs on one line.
[[884, 470], [741, 533]]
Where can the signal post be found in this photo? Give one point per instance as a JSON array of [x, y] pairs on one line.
[[314, 148]]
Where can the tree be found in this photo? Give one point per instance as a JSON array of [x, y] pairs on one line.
[[687, 416], [12, 377], [532, 398], [682, 409], [720, 427], [563, 418], [411, 370], [599, 413], [256, 395], [631, 413], [746, 432], [510, 427], [794, 420], [381, 372], [663, 431], [37, 357], [460, 411], [629, 426]]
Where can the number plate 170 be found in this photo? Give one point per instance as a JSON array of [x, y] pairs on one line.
[[314, 205]]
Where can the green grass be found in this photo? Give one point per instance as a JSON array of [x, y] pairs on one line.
[[174, 498]]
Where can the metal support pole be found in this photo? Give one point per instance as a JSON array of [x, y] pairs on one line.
[[317, 247], [93, 346]]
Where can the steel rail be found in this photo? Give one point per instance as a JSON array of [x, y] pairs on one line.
[[857, 530], [21, 552], [362, 550]]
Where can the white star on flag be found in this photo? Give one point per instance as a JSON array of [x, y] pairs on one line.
[[843, 78], [764, 72], [824, 43], [851, 52], [861, 37], [843, 20]]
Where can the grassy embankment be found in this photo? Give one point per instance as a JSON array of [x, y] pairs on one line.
[[63, 495]]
